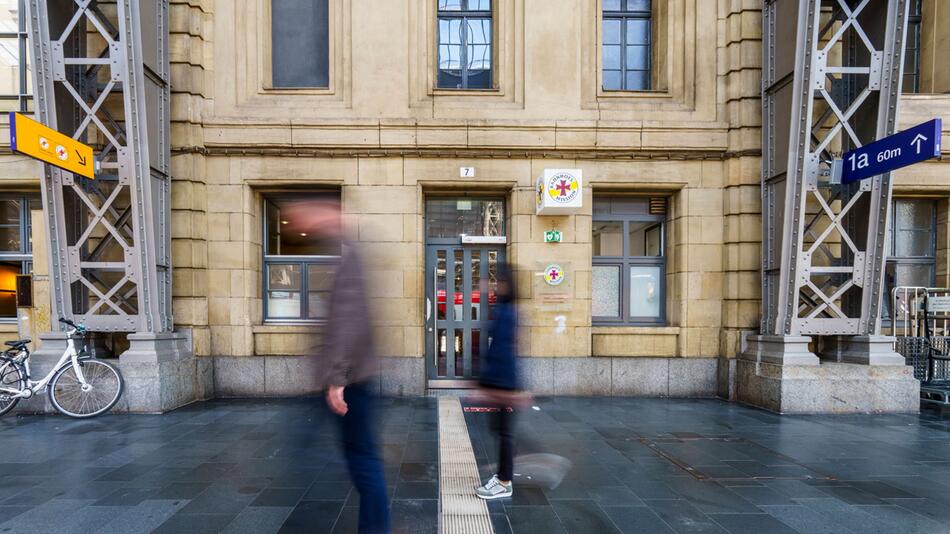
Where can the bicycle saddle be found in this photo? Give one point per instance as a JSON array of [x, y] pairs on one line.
[[18, 343]]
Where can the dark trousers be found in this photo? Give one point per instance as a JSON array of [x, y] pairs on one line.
[[363, 459], [503, 427]]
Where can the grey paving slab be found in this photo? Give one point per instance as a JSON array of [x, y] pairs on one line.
[[417, 490], [711, 497], [761, 495], [51, 516], [904, 519], [347, 522], [636, 519], [88, 519], [851, 517], [925, 507], [683, 517], [142, 518], [806, 520], [194, 523], [258, 520], [744, 523], [416, 516], [222, 499], [500, 523], [583, 516], [534, 519], [278, 497], [614, 496]]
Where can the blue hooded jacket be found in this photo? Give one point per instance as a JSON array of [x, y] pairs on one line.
[[499, 368]]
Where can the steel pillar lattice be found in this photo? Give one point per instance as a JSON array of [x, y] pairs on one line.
[[831, 82], [101, 75]]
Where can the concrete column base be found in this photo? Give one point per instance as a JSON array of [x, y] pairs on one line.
[[775, 373], [867, 350], [780, 350], [161, 373]]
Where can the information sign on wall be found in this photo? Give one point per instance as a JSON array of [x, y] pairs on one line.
[[559, 192]]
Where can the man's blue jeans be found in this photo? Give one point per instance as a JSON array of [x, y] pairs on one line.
[[363, 458]]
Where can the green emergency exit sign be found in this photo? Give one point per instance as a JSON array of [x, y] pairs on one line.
[[552, 236]]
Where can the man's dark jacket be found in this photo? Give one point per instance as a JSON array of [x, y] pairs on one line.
[[348, 334]]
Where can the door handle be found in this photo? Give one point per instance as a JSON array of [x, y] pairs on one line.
[[435, 314]]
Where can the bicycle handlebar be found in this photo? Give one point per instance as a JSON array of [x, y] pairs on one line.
[[72, 324]]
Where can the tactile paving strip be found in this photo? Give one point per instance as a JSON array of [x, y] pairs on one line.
[[460, 511]]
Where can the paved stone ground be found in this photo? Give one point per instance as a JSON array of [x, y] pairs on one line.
[[252, 466], [274, 465], [654, 465]]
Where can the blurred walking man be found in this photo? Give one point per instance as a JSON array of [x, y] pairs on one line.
[[352, 363]]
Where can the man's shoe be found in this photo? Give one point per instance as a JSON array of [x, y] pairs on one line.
[[494, 489]]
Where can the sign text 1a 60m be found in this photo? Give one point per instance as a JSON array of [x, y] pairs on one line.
[[922, 142]]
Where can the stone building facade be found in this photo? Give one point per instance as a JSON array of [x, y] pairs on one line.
[[667, 144]]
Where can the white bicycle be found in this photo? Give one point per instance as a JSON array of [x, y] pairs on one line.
[[78, 385]]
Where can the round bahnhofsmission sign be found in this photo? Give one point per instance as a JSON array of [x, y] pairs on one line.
[[553, 274], [563, 187]]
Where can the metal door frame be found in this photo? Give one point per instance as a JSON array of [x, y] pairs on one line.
[[451, 324]]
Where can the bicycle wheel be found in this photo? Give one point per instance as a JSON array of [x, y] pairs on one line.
[[11, 376], [101, 392]]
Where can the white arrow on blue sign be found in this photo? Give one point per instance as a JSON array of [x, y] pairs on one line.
[[920, 143]]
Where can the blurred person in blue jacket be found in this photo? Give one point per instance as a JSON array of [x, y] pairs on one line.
[[500, 383]]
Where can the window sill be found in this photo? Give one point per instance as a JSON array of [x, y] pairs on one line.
[[310, 91], [279, 327], [441, 91], [623, 94], [635, 330]]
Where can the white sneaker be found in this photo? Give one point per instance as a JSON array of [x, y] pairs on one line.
[[494, 489]]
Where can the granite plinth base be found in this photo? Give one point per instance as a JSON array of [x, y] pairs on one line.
[[830, 387], [161, 374], [781, 374], [289, 376], [621, 376]]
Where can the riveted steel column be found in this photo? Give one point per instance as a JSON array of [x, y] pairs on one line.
[[109, 238], [51, 192], [823, 243]]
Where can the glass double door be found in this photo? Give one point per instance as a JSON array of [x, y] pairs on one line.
[[460, 304]]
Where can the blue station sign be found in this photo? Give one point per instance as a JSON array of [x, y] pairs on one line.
[[920, 143]]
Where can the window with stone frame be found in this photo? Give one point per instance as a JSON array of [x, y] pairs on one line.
[[300, 44], [911, 247], [626, 46], [465, 44], [912, 49], [298, 267], [16, 247], [628, 243], [16, 82]]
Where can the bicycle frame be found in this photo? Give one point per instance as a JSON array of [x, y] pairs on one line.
[[32, 386]]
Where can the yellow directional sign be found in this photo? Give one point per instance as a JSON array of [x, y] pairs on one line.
[[46, 144]]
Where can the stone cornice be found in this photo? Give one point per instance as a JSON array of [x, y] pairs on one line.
[[487, 153]]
